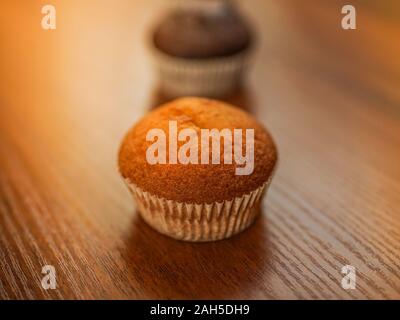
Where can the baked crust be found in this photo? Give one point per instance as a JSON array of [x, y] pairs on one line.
[[195, 183]]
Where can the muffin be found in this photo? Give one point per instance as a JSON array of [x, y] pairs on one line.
[[201, 199], [201, 48]]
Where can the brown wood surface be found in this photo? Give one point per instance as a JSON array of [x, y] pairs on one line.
[[330, 97]]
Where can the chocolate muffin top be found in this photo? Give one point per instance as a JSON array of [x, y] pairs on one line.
[[203, 32], [196, 183]]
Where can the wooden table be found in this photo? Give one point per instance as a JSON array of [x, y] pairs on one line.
[[329, 96]]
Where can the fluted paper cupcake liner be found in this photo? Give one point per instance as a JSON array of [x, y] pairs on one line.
[[211, 77], [198, 222]]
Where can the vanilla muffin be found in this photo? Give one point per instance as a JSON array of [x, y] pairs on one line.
[[198, 201]]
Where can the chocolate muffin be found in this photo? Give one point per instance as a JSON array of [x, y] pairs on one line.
[[200, 199], [201, 48], [202, 34]]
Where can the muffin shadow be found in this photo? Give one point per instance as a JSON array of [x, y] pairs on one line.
[[172, 269]]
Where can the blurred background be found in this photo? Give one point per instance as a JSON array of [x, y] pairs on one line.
[[97, 60], [330, 98]]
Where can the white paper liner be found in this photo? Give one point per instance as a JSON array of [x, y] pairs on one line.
[[212, 77], [198, 222]]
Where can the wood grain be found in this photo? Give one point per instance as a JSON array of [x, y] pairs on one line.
[[330, 97]]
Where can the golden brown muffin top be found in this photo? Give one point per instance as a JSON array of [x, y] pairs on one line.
[[196, 183]]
